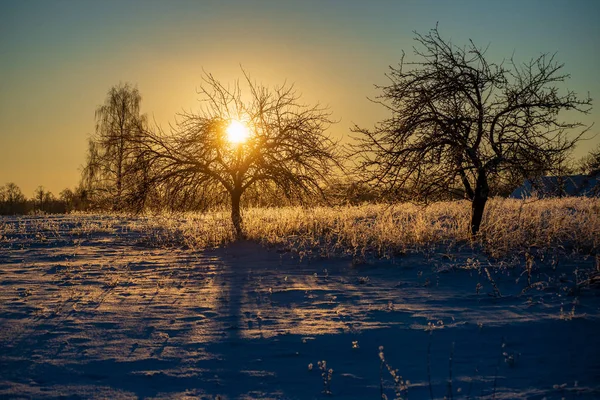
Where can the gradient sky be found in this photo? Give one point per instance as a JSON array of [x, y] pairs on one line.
[[58, 59]]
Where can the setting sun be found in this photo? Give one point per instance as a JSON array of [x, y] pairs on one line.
[[237, 132]]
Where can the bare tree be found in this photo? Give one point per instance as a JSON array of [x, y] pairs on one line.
[[590, 163], [112, 169], [38, 198], [458, 120], [287, 146], [12, 200], [68, 199]]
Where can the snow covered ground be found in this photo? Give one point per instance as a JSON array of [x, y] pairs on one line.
[[89, 309]]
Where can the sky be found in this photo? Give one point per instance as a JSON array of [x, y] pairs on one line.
[[58, 59]]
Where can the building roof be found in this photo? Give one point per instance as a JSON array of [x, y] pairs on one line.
[[559, 186]]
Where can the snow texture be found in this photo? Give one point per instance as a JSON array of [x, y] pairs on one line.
[[89, 310]]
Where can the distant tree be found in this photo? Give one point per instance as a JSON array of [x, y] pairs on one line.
[[69, 199], [287, 148], [590, 163], [457, 121], [38, 197], [49, 198], [112, 170], [13, 193], [66, 195], [346, 191], [2, 200], [13, 200]]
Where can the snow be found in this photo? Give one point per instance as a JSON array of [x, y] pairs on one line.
[[88, 309]]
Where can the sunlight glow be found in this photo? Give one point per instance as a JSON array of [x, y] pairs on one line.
[[237, 132]]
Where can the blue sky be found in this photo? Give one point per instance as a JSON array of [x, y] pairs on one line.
[[59, 58]]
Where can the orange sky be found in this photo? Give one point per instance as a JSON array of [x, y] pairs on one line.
[[58, 59]]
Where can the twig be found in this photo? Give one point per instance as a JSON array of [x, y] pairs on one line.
[[449, 394]]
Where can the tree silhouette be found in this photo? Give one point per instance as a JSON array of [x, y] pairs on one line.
[[12, 200], [39, 195], [68, 198], [287, 146], [113, 168], [458, 120], [590, 163]]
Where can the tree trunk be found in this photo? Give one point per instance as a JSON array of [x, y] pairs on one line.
[[480, 197], [120, 156], [236, 216]]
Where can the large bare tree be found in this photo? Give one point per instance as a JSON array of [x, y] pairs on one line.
[[113, 168], [458, 120], [287, 147]]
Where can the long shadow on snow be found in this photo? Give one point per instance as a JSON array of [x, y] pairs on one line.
[[261, 330]]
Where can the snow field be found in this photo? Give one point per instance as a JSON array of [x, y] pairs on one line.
[[393, 300]]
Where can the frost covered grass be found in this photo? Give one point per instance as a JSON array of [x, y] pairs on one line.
[[382, 231], [169, 306], [510, 227]]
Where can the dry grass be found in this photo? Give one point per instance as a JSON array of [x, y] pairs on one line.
[[569, 224], [510, 226]]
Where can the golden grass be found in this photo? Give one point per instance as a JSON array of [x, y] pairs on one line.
[[509, 226]]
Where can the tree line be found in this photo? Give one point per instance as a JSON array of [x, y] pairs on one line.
[[13, 201], [459, 126]]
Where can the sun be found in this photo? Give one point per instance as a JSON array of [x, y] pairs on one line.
[[237, 132]]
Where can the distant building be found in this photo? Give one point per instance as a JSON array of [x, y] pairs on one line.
[[560, 186]]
